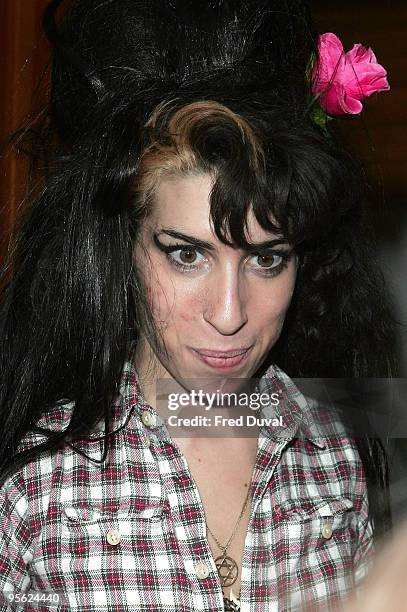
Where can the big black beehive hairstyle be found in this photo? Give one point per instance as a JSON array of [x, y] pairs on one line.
[[72, 302]]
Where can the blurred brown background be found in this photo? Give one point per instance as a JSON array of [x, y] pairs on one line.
[[24, 54], [379, 138], [382, 25]]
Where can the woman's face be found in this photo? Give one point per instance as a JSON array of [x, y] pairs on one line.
[[219, 309]]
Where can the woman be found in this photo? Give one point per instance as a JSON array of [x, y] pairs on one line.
[[194, 221]]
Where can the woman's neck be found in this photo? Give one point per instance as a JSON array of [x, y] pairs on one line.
[[149, 370]]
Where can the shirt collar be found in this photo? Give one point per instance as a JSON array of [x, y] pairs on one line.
[[58, 417], [293, 408]]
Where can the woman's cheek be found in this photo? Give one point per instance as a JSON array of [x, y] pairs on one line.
[[190, 303], [281, 296], [158, 303], [191, 306]]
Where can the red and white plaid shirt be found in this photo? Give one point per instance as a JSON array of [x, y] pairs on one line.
[[130, 534]]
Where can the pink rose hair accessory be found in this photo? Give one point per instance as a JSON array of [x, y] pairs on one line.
[[342, 80]]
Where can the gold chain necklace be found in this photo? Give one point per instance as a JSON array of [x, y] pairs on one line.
[[227, 567]]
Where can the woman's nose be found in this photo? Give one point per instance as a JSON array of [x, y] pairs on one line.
[[225, 309]]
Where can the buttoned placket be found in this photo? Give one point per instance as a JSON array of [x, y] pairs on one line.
[[193, 544], [191, 538]]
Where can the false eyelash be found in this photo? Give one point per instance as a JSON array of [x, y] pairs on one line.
[[170, 248]]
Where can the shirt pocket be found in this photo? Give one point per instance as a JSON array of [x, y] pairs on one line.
[[316, 544], [104, 559], [98, 556], [317, 523], [92, 528], [91, 543]]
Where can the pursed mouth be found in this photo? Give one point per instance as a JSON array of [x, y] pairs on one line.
[[222, 360], [222, 354]]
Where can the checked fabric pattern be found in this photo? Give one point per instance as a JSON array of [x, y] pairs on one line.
[[130, 534]]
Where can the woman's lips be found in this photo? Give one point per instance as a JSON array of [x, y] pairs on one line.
[[222, 360]]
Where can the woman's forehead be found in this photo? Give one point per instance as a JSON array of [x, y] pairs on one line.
[[182, 203]]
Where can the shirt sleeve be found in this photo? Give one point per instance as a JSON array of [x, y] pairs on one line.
[[15, 543]]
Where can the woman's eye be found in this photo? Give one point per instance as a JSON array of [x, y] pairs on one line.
[[187, 256], [269, 261]]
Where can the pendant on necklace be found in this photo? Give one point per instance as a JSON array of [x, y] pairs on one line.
[[227, 570]]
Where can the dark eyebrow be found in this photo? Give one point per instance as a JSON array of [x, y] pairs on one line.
[[202, 244]]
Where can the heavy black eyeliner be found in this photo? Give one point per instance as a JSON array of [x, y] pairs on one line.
[[199, 245], [170, 248], [205, 245]]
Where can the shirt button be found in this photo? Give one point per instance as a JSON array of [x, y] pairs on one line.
[[326, 531], [201, 570], [148, 418], [113, 537]]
